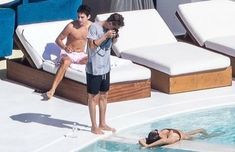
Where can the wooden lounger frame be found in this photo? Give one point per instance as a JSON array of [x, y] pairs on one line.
[[190, 82], [232, 59], [24, 71]]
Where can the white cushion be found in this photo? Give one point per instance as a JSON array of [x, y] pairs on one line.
[[39, 40], [209, 19], [177, 58], [134, 34], [122, 71], [130, 72], [5, 1], [71, 73], [225, 45]]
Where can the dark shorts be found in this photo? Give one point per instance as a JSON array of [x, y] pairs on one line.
[[97, 83]]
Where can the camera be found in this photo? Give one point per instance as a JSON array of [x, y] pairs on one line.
[[116, 30]]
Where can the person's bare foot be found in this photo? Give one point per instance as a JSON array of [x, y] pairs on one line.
[[48, 95], [96, 130], [107, 128]]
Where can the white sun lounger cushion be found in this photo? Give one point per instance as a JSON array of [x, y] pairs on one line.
[[177, 58], [225, 44], [135, 35], [209, 19], [122, 71], [39, 38]]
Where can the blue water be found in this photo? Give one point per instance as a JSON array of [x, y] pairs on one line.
[[219, 123], [108, 146]]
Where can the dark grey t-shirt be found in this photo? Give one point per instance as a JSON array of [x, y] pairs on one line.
[[98, 58]]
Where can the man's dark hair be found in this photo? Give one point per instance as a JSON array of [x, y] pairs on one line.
[[116, 19], [84, 9]]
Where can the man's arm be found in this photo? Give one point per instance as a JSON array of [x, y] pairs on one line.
[[95, 43], [59, 40]]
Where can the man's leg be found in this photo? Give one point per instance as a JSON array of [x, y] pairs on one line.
[[93, 83], [92, 101], [102, 111], [65, 63]]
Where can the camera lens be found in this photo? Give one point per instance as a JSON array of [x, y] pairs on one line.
[[116, 30]]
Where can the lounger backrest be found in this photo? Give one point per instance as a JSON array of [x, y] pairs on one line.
[[39, 40], [208, 19], [142, 28]]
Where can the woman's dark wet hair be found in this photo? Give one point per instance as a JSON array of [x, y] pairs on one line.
[[152, 137], [84, 9]]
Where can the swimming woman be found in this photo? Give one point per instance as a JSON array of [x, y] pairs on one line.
[[168, 136]]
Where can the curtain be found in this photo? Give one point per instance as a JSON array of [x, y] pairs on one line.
[[127, 5]]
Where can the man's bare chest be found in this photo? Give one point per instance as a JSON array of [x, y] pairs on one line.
[[78, 34]]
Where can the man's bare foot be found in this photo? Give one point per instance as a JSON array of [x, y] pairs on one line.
[[96, 130], [47, 95], [50, 94], [107, 128]]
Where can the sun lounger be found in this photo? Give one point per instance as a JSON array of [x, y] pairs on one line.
[[211, 25], [36, 40], [128, 80], [175, 66]]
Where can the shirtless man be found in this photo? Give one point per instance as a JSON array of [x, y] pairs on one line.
[[168, 136], [73, 50]]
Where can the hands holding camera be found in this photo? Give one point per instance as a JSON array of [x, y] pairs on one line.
[[112, 33]]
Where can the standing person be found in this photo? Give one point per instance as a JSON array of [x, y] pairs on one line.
[[101, 36], [73, 50]]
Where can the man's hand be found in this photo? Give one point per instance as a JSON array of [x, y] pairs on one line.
[[111, 34], [68, 49]]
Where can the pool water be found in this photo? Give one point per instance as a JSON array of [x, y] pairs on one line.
[[111, 146], [219, 123]]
